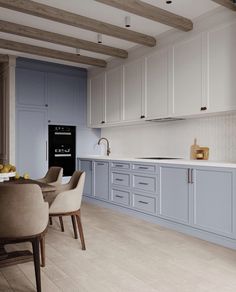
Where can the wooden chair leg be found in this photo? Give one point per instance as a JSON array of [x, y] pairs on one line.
[[61, 223], [50, 220], [81, 234], [42, 249], [35, 246], [73, 219]]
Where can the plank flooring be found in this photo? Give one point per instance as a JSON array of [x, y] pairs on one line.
[[124, 254]]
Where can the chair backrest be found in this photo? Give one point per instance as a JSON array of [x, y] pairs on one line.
[[54, 175], [69, 200], [23, 212]]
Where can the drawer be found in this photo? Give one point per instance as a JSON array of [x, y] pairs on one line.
[[121, 165], [144, 168], [144, 203], [120, 197], [121, 179], [145, 183]]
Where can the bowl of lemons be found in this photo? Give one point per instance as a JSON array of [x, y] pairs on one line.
[[7, 171]]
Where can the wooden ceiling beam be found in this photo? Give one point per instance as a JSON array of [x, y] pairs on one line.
[[4, 58], [35, 50], [151, 12], [227, 3], [55, 38], [69, 18]]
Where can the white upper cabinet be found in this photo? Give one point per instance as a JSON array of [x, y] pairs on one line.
[[96, 106], [187, 72], [114, 94], [134, 90], [222, 68], [157, 84]]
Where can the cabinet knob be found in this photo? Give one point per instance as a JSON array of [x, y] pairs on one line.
[[49, 121], [46, 105], [102, 122], [203, 108], [142, 117]]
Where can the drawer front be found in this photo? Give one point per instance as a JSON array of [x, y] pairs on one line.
[[121, 179], [144, 203], [144, 168], [121, 165], [145, 183], [120, 197]]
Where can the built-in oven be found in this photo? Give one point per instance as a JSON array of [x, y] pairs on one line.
[[62, 147]]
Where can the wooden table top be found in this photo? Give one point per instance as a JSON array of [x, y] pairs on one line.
[[44, 187]]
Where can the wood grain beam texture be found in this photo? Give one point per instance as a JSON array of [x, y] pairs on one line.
[[4, 58], [227, 3], [151, 12], [69, 18], [55, 38], [35, 50]]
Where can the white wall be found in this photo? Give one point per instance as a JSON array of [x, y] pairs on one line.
[[175, 138]]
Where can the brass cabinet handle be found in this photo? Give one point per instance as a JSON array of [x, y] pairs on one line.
[[203, 108], [142, 202], [118, 196]]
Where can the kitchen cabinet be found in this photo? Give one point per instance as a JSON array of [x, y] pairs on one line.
[[62, 92], [101, 179], [214, 201], [157, 84], [187, 75], [31, 142], [134, 90], [222, 68], [114, 95], [175, 194], [34, 94], [86, 166], [96, 102], [197, 200]]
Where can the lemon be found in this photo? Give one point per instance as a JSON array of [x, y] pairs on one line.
[[17, 176], [26, 176]]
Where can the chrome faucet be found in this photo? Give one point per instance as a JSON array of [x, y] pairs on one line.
[[108, 146]]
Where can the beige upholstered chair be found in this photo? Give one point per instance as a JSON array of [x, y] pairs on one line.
[[68, 202], [53, 176], [24, 217]]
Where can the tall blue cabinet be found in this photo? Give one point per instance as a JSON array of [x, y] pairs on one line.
[[47, 93]]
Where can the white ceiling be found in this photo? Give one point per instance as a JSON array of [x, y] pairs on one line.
[[187, 8]]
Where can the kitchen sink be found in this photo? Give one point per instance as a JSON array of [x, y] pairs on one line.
[[159, 158]]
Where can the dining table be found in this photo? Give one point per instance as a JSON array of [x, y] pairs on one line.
[[22, 256]]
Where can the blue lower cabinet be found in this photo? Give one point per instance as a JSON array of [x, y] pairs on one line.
[[86, 165], [175, 194], [101, 179], [144, 203], [214, 202], [121, 197]]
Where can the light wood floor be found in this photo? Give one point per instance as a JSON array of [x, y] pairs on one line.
[[125, 254]]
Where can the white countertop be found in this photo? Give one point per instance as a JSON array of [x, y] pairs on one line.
[[165, 161]]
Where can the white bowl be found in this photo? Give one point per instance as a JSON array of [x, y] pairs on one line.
[[6, 176]]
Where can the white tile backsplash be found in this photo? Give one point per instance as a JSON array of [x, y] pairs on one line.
[[175, 138]]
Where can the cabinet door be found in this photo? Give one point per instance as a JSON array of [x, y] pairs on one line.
[[222, 68], [86, 166], [101, 180], [174, 197], [31, 142], [187, 77], [214, 201], [157, 85], [30, 87], [114, 94], [62, 91], [96, 104], [133, 90]]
